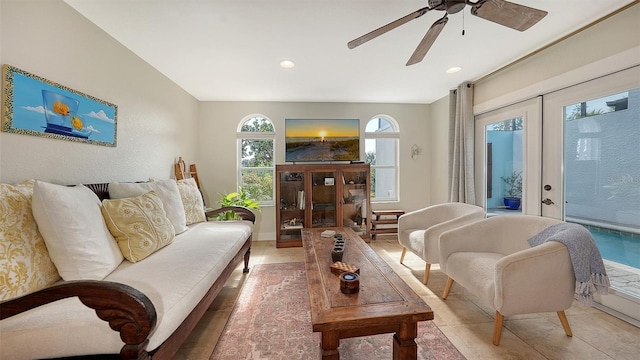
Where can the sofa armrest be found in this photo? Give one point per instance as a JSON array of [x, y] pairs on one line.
[[127, 310], [437, 230], [417, 219], [243, 212], [524, 275]]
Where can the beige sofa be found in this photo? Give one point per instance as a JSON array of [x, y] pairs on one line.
[[420, 230], [139, 310], [493, 260]]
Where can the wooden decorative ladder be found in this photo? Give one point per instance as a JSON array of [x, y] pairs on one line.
[[182, 173]]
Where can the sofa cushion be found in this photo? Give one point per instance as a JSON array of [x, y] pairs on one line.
[[168, 192], [175, 279], [191, 201], [139, 224], [74, 231], [25, 265]]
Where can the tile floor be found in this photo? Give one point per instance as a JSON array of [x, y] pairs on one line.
[[467, 323]]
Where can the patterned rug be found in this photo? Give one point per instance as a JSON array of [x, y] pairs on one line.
[[271, 320]]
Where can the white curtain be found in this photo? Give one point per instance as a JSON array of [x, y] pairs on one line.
[[461, 145]]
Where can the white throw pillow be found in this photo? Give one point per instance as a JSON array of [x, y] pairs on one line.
[[167, 191], [71, 223]]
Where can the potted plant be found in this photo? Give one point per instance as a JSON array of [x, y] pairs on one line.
[[514, 190], [239, 198]]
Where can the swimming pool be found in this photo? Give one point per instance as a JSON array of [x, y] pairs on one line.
[[620, 247]]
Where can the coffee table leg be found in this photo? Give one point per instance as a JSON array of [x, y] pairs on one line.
[[404, 342], [329, 345]]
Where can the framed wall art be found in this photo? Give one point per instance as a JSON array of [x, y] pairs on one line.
[[32, 105]]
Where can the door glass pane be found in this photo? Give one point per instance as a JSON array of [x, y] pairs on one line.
[[602, 180], [504, 166]]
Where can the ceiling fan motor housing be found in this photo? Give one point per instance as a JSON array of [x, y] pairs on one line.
[[450, 6]]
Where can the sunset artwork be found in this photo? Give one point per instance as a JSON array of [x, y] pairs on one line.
[[322, 140]]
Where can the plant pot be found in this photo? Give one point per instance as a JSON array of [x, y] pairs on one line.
[[512, 203]]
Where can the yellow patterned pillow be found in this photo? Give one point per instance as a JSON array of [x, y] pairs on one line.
[[191, 200], [25, 265], [139, 224]]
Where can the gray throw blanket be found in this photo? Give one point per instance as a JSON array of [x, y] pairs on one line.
[[591, 276]]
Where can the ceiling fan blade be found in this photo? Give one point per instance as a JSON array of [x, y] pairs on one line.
[[512, 15], [383, 29], [427, 41]]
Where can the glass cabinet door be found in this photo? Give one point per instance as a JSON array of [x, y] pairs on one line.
[[355, 202], [292, 205], [323, 199]]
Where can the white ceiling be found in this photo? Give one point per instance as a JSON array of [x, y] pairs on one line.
[[229, 50]]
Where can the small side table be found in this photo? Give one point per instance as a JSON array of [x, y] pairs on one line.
[[387, 218]]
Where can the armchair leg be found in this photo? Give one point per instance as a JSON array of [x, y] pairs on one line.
[[497, 328], [447, 288], [404, 252], [565, 323], [426, 274]]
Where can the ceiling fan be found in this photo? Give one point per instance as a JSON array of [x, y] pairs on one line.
[[512, 15]]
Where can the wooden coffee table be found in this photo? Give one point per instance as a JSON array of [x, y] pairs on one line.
[[384, 304]]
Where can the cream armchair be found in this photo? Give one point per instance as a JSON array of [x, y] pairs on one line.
[[419, 231], [493, 260]]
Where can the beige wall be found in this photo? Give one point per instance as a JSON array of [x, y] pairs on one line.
[[218, 149], [157, 120], [610, 45], [439, 151]]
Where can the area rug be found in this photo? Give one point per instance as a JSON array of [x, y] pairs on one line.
[[271, 320]]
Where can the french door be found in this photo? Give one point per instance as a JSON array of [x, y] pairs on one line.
[[507, 152], [591, 174]]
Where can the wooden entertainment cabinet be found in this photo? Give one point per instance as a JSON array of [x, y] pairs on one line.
[[321, 196]]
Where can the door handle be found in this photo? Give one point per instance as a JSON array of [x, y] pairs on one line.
[[547, 201]]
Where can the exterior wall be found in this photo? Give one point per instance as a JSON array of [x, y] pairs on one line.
[[593, 180], [218, 146], [157, 120]]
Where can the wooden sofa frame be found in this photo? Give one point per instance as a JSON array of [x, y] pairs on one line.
[[127, 310]]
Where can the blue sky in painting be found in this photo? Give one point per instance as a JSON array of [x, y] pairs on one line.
[[28, 109]]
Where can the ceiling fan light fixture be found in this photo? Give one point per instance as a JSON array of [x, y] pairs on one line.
[[453, 70], [287, 64]]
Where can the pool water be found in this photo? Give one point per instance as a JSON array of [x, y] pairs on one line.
[[618, 247]]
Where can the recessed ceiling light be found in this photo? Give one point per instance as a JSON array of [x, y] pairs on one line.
[[287, 64], [453, 70]]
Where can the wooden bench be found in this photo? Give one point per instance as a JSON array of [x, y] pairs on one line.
[[385, 218]]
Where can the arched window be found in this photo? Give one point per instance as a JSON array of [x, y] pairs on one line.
[[382, 139], [256, 168]]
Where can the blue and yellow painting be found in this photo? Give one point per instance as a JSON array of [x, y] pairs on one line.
[[35, 106]]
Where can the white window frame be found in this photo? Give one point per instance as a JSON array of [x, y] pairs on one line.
[[246, 135], [394, 135]]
